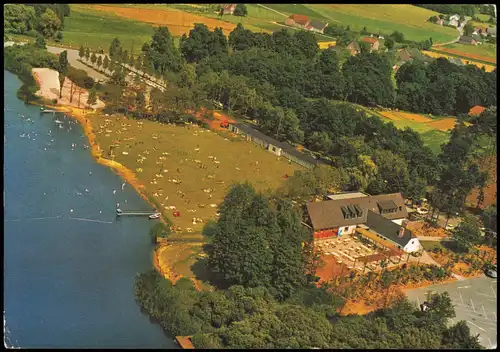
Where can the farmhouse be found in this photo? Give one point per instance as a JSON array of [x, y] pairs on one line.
[[316, 26], [272, 145], [373, 42], [300, 21], [228, 9], [353, 48], [467, 40], [476, 110], [347, 213]]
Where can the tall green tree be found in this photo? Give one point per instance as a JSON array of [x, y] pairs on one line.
[[105, 63], [92, 99], [81, 52], [114, 48], [99, 62], [467, 233], [241, 10], [62, 69], [87, 54], [93, 58]]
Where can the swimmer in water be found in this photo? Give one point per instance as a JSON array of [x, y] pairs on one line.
[[114, 191]]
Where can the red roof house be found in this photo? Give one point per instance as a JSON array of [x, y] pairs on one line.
[[476, 110], [374, 43], [297, 21]]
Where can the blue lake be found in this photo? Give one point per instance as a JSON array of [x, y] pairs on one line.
[[68, 275]]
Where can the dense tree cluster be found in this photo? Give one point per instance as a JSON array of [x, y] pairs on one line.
[[47, 19], [442, 88], [298, 94], [271, 236], [242, 317], [22, 59]]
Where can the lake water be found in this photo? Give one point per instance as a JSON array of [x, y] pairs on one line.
[[68, 282]]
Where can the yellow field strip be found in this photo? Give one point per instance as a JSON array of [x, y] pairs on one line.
[[433, 54]]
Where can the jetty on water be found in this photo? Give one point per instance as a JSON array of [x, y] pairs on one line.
[[119, 212]]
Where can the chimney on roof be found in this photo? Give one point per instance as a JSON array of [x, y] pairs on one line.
[[401, 232]]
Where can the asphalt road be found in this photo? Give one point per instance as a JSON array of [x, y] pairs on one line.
[[475, 301], [73, 60]]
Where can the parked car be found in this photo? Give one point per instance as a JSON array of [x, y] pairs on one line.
[[491, 272], [422, 211], [450, 227]]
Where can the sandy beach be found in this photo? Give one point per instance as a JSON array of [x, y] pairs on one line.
[[48, 81]]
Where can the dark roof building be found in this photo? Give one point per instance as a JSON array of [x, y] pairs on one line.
[[273, 145], [466, 40], [317, 26], [388, 229], [346, 212]]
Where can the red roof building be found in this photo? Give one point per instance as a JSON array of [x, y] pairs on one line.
[[297, 20], [374, 43], [476, 110]]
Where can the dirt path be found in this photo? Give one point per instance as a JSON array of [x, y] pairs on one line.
[[267, 8], [425, 259]]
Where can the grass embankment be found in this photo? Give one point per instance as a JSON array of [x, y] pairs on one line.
[[408, 19]]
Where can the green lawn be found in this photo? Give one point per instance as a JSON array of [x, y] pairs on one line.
[[483, 17], [486, 49], [430, 136], [96, 29], [430, 245]]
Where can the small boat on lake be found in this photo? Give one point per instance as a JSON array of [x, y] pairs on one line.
[[48, 111], [155, 216], [58, 121]]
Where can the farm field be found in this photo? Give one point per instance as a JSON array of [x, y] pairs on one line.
[[97, 29], [435, 54], [484, 52], [408, 19], [434, 132], [178, 22]]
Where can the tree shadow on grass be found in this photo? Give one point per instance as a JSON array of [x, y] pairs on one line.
[[202, 272]]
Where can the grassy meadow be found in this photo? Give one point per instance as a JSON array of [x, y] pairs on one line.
[[97, 29], [188, 167], [485, 51], [431, 136]]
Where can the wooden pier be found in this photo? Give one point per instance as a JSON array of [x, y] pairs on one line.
[[119, 212]]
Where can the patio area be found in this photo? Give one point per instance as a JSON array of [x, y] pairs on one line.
[[349, 250]]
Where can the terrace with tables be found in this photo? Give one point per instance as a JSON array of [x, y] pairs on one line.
[[350, 251]]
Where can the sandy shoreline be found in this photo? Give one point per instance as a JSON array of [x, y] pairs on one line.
[[48, 80], [128, 175]]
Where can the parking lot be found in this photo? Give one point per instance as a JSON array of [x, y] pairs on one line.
[[475, 301], [347, 249]]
